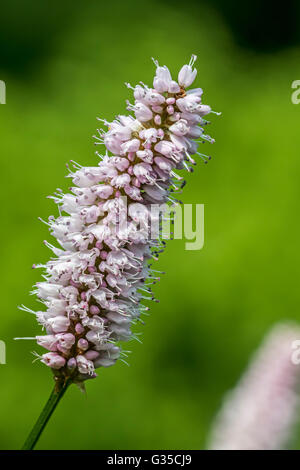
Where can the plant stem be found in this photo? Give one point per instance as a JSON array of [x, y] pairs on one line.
[[56, 395]]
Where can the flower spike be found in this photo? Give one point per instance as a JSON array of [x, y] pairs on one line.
[[95, 284]]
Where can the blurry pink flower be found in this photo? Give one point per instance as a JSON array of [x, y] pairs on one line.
[[260, 412]]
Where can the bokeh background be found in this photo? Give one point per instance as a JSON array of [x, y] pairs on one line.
[[64, 63]]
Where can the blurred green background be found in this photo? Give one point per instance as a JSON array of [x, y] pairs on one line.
[[64, 63]]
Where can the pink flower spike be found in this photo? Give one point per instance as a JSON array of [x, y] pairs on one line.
[[95, 286], [260, 413]]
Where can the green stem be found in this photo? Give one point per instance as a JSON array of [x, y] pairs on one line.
[[56, 395]]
